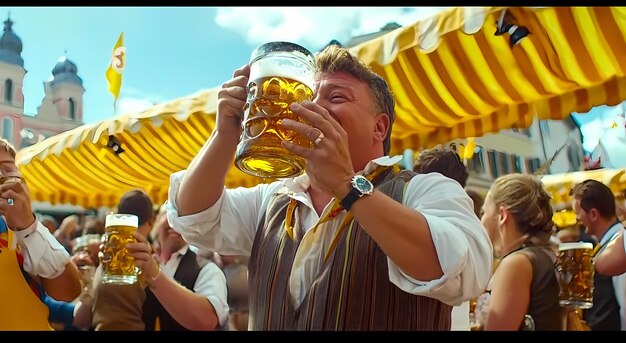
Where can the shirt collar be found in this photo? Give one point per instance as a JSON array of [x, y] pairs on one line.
[[181, 252], [608, 235], [300, 184]]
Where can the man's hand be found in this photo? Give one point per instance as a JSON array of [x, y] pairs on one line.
[[231, 100], [328, 163], [143, 254], [15, 204]]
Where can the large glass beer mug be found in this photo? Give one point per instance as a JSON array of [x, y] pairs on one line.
[[118, 266], [281, 73], [575, 272]]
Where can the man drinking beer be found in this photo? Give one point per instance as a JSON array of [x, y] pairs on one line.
[[350, 244]]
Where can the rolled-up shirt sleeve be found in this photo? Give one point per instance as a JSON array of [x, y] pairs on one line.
[[43, 254], [463, 247], [229, 225], [211, 283]]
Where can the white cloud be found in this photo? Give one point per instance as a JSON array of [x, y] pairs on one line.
[[134, 105], [314, 27]]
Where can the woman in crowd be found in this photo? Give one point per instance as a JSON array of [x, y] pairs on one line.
[[524, 290]]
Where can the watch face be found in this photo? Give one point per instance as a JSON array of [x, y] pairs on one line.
[[363, 184]]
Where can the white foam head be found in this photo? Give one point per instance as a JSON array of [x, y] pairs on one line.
[[121, 219], [298, 67], [575, 245]]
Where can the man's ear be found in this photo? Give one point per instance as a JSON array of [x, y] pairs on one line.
[[382, 126], [594, 214]]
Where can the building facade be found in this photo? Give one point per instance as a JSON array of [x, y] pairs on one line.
[[545, 137], [60, 110]]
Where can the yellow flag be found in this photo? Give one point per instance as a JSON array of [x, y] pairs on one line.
[[468, 152], [116, 68]]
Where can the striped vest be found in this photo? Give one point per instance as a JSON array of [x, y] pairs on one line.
[[351, 292]]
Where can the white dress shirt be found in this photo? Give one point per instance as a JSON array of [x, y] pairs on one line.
[[463, 248], [43, 254], [211, 283]]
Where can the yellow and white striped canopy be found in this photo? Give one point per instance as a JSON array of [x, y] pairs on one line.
[[451, 76]]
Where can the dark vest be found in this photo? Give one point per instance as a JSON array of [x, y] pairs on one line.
[[352, 290], [544, 305], [186, 275]]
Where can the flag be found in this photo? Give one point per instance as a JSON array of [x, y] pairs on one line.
[[116, 68], [468, 151]]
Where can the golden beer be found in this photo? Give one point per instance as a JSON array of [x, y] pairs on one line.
[[118, 266], [281, 73], [575, 273]]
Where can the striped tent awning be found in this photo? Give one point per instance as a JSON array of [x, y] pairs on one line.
[[76, 167], [560, 185], [451, 76]]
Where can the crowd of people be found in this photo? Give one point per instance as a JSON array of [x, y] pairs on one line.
[[315, 252]]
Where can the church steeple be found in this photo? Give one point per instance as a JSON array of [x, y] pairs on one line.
[[65, 71], [10, 45]]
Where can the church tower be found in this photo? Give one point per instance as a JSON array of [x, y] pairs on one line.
[[65, 90], [11, 81]]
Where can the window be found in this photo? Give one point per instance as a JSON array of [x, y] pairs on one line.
[[8, 91], [493, 163], [503, 163], [72, 113], [517, 163], [477, 164], [532, 165], [573, 152], [7, 129]]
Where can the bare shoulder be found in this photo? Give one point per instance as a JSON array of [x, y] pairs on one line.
[[514, 268]]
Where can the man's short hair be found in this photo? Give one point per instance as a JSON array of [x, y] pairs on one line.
[[594, 194], [442, 160], [137, 202]]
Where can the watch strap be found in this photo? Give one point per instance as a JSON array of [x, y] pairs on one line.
[[350, 199]]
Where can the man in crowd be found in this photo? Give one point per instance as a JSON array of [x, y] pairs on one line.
[[179, 294], [369, 248], [594, 204], [32, 262]]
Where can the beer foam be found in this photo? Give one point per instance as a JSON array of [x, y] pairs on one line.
[[121, 219], [575, 245], [282, 67]]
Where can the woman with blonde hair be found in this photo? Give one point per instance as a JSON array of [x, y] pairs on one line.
[[524, 289]]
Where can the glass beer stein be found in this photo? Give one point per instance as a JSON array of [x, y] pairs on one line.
[[575, 273], [281, 73], [118, 266]]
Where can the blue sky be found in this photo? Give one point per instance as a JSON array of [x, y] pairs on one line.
[[176, 51]]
